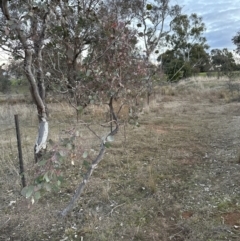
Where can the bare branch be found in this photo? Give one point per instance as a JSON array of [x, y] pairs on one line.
[[93, 166]]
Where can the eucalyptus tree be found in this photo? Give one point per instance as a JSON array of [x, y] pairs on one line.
[[23, 32], [187, 31], [236, 41], [176, 67], [223, 61], [187, 45], [57, 32], [71, 35], [200, 58], [154, 23], [51, 37]]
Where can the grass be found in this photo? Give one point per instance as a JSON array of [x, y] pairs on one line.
[[175, 176]]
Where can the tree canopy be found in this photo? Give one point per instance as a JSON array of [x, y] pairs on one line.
[[236, 41], [223, 60], [187, 47]]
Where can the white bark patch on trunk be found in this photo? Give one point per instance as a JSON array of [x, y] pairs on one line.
[[41, 142]]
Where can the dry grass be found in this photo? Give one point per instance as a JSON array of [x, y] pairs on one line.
[[175, 176]]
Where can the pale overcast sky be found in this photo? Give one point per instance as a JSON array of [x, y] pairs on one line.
[[221, 17]]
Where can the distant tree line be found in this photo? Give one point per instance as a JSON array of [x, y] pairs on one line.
[[188, 54]]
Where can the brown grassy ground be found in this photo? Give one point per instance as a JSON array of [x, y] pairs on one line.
[[173, 177]]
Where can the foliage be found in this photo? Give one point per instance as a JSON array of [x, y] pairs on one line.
[[223, 60], [47, 175], [200, 59], [236, 41], [151, 23], [188, 47], [152, 29]]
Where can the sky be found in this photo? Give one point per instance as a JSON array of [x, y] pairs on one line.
[[221, 17]]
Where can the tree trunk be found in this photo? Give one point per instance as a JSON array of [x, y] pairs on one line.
[[38, 95], [37, 89]]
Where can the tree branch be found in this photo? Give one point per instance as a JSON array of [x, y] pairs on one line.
[[93, 166]]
